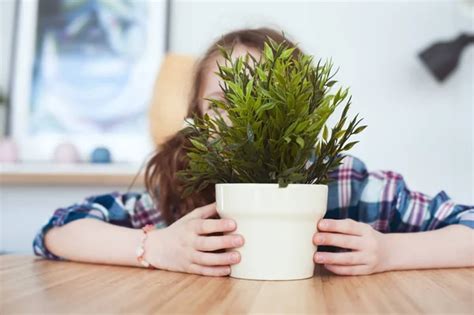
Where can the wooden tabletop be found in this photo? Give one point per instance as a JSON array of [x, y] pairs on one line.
[[31, 285]]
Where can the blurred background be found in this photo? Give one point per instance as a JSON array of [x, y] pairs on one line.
[[88, 88]]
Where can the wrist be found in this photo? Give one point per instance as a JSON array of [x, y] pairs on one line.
[[141, 252], [399, 251], [389, 253], [153, 248]]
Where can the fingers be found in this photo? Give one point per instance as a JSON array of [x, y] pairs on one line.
[[346, 226], [203, 212], [212, 243], [218, 271], [206, 211], [213, 225], [348, 270], [212, 259], [339, 240], [344, 258]]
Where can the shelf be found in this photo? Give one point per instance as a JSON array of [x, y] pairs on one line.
[[69, 174]]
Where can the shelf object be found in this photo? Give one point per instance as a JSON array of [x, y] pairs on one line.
[[70, 174]]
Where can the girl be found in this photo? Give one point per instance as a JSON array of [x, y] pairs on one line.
[[374, 220]]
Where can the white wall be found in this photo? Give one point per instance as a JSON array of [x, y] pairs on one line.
[[417, 126]]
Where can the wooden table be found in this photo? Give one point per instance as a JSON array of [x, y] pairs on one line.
[[31, 285]]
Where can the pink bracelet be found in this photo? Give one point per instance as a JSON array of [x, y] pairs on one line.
[[140, 252]]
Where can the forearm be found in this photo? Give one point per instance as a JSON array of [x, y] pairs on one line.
[[452, 246], [94, 241]]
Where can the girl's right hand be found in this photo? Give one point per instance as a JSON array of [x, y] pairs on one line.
[[185, 246]]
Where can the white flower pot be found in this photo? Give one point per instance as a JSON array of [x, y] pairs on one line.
[[277, 224]]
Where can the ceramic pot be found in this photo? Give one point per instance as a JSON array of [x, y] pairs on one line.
[[277, 224]]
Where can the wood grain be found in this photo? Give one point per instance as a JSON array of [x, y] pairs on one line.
[[32, 285], [70, 174], [68, 179]]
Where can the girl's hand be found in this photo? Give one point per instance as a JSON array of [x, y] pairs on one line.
[[185, 246], [366, 244]]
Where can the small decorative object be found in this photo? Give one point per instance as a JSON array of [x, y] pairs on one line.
[[8, 151], [101, 155], [271, 163], [442, 58], [66, 153]]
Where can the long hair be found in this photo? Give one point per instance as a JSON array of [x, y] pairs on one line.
[[171, 156]]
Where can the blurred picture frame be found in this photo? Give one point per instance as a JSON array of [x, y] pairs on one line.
[[84, 73]]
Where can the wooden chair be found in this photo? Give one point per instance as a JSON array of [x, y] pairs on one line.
[[171, 96]]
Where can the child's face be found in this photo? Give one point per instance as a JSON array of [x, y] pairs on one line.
[[211, 89]]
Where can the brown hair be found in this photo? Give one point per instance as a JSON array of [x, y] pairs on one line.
[[160, 174]]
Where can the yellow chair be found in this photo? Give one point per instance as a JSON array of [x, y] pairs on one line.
[[171, 96]]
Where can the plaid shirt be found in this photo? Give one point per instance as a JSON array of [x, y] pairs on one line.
[[381, 199]]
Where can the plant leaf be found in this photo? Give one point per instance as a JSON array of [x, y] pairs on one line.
[[300, 141], [198, 145]]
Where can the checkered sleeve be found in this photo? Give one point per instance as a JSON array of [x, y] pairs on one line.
[[133, 210], [383, 200]]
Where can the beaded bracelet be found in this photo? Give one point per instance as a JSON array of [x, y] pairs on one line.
[[140, 252]]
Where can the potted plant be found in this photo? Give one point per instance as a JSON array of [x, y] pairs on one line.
[[271, 155]]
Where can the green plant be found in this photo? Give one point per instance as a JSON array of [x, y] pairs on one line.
[[278, 106]]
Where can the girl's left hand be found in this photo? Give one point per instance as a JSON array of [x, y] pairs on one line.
[[367, 249]]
